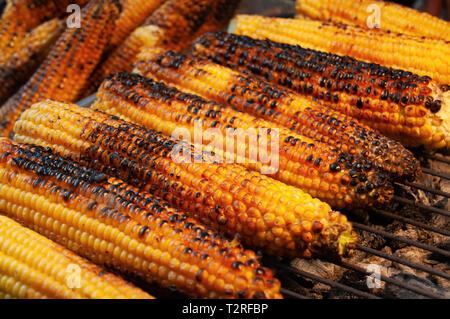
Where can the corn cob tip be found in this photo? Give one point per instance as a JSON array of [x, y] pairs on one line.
[[341, 241]]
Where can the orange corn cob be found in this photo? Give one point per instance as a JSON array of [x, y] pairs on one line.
[[68, 65], [400, 104], [34, 267], [173, 25], [426, 57], [220, 15], [263, 212], [391, 17], [122, 58], [271, 102], [134, 13], [18, 68], [337, 178], [125, 228], [21, 16]]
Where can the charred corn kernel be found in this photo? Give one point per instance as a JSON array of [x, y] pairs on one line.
[[169, 111], [134, 13], [33, 49], [384, 15], [426, 57], [32, 266], [22, 16], [271, 102], [152, 161], [352, 87], [66, 69], [79, 207]]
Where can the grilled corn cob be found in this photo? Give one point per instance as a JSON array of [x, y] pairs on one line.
[[67, 67], [134, 13], [18, 68], [173, 25], [265, 213], [400, 104], [21, 16], [379, 14], [273, 103], [125, 228], [315, 167], [426, 57], [34, 267]]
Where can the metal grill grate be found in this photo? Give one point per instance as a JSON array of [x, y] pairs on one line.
[[443, 255], [295, 280]]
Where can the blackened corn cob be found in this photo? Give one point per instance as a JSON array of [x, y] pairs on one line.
[[265, 213], [34, 267], [400, 104], [15, 71], [22, 16], [122, 227], [423, 56], [391, 16], [274, 103], [316, 168], [66, 69], [134, 13]]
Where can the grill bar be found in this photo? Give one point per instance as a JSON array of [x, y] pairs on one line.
[[292, 294], [402, 239], [432, 172], [422, 207], [426, 188], [438, 158], [412, 222], [328, 282], [393, 281], [403, 261]]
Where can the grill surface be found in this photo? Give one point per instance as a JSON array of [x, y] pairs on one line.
[[372, 226]]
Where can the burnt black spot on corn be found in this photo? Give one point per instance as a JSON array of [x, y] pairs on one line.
[[274, 103], [400, 104], [127, 229], [68, 65], [266, 213]]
